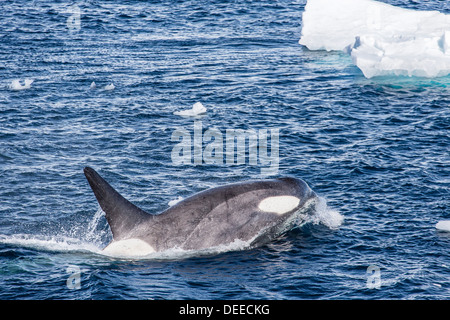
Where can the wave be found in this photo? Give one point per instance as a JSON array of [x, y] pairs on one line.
[[64, 244], [86, 239], [49, 243]]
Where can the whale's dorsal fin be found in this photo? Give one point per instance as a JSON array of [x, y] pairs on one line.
[[121, 214]]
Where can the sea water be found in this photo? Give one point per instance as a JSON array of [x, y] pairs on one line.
[[376, 149]]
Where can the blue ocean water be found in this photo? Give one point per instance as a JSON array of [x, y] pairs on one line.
[[377, 150]]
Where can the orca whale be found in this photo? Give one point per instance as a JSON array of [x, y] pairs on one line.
[[253, 211]]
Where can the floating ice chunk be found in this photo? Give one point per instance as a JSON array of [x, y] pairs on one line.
[[17, 85], [417, 56], [93, 85], [109, 87], [443, 225], [382, 39], [197, 109], [334, 24]]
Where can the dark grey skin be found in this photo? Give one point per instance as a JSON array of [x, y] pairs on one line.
[[213, 217]]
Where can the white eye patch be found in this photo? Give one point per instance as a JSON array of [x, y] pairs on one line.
[[279, 205]]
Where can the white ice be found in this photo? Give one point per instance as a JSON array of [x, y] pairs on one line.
[[443, 225], [109, 87], [197, 109], [381, 39], [17, 85]]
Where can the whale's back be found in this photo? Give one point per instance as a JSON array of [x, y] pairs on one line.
[[213, 217]]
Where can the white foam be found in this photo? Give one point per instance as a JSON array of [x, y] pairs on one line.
[[49, 243], [175, 201], [326, 215], [197, 109], [178, 253], [17, 85], [381, 39], [77, 239], [91, 233], [443, 225]]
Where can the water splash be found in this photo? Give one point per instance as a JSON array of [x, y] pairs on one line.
[[49, 243], [77, 239], [175, 201], [177, 253], [326, 215], [91, 233]]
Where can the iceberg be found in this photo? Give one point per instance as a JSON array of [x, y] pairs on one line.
[[380, 38]]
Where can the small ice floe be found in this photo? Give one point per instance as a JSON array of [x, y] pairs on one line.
[[17, 85], [443, 225], [109, 87], [197, 109], [175, 201], [93, 85]]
